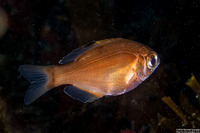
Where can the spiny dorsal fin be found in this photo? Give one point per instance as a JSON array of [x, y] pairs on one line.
[[79, 51], [76, 52]]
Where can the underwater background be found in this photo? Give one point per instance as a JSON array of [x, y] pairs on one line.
[[41, 32]]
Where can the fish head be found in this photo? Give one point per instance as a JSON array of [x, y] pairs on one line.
[[148, 61]]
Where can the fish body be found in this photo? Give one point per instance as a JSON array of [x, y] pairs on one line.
[[107, 67]]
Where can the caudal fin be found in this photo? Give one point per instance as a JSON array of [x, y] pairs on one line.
[[40, 81]]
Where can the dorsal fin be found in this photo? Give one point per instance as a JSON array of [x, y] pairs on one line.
[[76, 52]]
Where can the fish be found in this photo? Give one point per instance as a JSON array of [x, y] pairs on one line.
[[108, 67]]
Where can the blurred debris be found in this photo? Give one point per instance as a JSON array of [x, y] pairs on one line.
[[186, 111], [3, 22], [175, 108], [194, 84], [166, 124], [193, 114]]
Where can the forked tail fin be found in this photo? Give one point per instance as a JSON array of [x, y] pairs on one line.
[[39, 77]]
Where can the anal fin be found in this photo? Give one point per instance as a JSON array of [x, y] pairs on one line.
[[79, 94]]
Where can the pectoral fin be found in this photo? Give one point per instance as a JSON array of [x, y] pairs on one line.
[[79, 94]]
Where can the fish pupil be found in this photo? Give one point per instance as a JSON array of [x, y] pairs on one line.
[[153, 61]]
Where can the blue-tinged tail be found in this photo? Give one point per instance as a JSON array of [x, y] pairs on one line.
[[39, 78]]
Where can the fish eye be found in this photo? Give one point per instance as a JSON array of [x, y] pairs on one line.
[[151, 61]]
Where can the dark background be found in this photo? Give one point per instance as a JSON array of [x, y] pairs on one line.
[[41, 32]]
